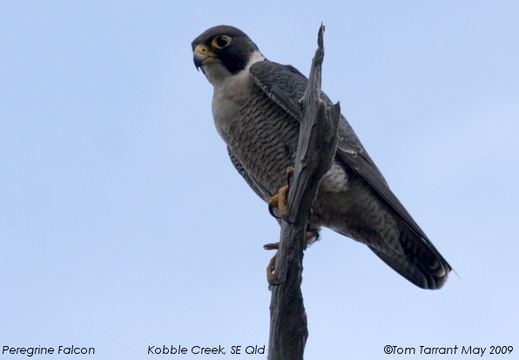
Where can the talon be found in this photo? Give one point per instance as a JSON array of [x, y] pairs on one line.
[[290, 172], [271, 246], [271, 267], [312, 236], [272, 205], [281, 198]]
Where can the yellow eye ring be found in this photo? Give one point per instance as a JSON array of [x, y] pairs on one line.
[[221, 41]]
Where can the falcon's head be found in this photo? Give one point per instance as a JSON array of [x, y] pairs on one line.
[[224, 51]]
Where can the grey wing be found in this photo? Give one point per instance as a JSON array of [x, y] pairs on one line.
[[286, 86]]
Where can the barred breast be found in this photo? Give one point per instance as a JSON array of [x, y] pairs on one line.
[[263, 139], [262, 142]]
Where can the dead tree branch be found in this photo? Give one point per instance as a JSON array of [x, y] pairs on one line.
[[315, 152]]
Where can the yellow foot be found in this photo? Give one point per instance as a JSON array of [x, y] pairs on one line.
[[281, 198], [271, 277], [280, 201], [310, 237]]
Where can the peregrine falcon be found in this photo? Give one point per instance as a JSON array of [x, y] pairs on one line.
[[256, 109]]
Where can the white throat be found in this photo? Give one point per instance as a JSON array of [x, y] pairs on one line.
[[230, 92], [216, 73]]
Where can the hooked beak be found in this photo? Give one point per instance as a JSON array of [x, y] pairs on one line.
[[203, 56]]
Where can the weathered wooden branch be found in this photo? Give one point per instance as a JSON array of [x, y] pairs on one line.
[[315, 152]]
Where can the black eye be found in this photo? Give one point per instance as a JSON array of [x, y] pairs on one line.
[[221, 41]]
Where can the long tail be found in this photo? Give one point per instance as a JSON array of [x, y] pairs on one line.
[[421, 263]]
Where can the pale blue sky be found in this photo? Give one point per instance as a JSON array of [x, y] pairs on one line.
[[125, 225]]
